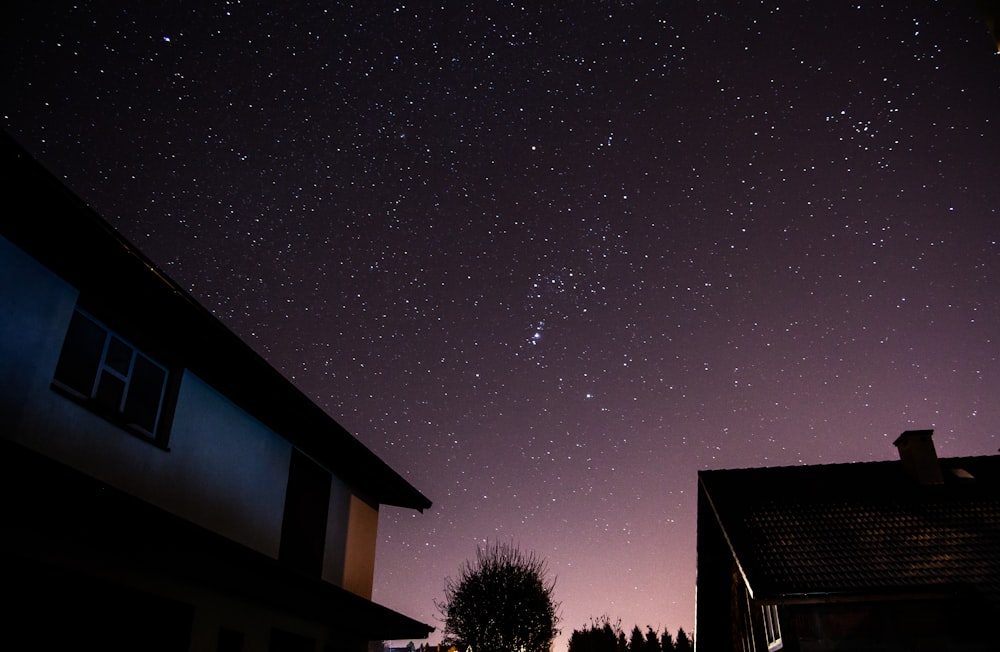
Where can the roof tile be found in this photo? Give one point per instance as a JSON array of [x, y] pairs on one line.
[[862, 528]]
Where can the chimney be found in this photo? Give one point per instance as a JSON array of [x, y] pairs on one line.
[[920, 461]]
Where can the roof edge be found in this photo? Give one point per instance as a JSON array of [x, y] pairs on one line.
[[202, 338]]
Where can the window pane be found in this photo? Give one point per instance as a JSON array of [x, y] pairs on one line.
[[81, 355], [145, 390], [119, 356], [772, 629], [110, 391], [110, 376]]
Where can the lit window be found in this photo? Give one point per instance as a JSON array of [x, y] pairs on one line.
[[772, 630], [112, 377]]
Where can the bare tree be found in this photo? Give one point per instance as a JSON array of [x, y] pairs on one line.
[[502, 603]]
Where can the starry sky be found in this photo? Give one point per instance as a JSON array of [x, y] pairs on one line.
[[551, 262]]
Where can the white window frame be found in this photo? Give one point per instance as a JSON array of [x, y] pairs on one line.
[[104, 368], [772, 628]]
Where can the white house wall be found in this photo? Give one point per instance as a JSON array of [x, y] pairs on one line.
[[224, 470], [228, 471], [35, 306]]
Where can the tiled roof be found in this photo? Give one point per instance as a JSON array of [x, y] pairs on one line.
[[866, 528]]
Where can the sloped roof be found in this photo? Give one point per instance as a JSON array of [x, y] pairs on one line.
[[72, 240], [864, 529]]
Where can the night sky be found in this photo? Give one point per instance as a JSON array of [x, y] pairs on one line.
[[549, 263]]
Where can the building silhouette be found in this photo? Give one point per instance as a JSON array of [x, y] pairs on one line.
[[163, 487], [895, 555]]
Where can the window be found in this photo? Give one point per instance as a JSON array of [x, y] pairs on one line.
[[772, 631], [111, 377]]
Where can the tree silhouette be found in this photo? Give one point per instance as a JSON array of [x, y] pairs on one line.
[[636, 642], [502, 603], [652, 640], [622, 645], [600, 636], [683, 643], [667, 641]]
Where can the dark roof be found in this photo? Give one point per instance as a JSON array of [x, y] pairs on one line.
[[63, 233], [56, 516], [818, 532]]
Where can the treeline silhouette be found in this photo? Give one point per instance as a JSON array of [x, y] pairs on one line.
[[602, 635]]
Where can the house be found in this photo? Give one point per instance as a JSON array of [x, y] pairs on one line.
[[891, 555], [161, 486]]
